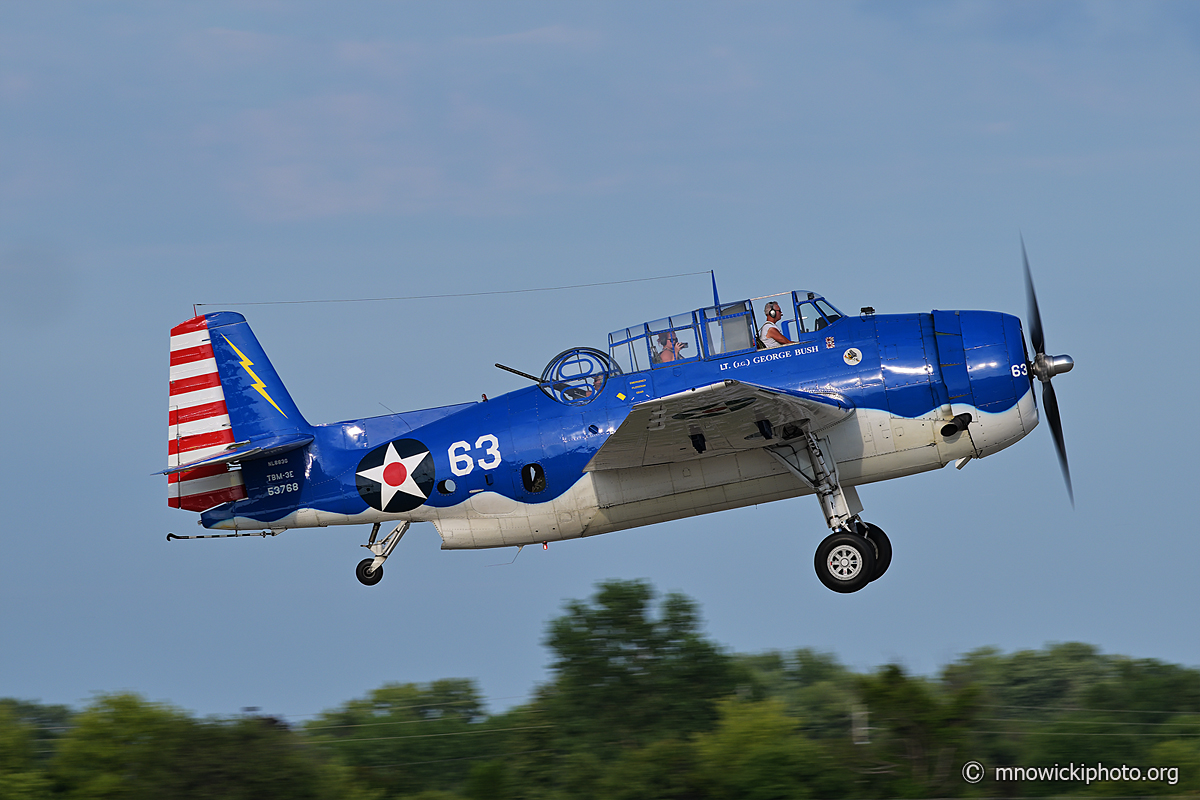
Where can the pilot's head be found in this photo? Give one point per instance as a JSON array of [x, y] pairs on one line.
[[772, 311]]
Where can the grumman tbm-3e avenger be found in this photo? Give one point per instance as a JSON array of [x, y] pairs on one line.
[[699, 412]]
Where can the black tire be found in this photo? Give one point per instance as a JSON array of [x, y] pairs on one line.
[[368, 578], [845, 562], [883, 549]]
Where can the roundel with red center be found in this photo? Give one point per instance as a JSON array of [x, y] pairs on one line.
[[396, 477]]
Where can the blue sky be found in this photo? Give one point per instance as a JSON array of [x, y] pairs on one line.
[[153, 156]]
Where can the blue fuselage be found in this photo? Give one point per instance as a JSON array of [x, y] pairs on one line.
[[890, 367]]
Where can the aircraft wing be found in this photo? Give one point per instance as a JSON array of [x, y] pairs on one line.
[[728, 415]]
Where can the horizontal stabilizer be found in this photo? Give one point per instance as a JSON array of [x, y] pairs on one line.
[[260, 447]]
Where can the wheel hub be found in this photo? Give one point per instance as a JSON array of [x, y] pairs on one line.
[[844, 562]]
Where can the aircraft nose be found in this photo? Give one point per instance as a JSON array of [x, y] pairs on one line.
[[994, 352], [986, 374]]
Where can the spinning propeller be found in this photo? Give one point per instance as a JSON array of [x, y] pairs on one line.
[[1044, 368]]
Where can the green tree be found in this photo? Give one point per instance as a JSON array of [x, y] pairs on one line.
[[1181, 755], [1068, 703], [410, 738], [918, 732], [534, 753], [1122, 717], [21, 774], [1152, 688], [124, 747], [813, 687], [625, 678], [489, 780], [46, 722], [757, 752], [662, 770], [1027, 699], [1031, 683]]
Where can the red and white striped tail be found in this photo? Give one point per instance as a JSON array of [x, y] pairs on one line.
[[199, 423]]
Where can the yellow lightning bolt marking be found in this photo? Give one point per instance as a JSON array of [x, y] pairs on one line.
[[258, 385]]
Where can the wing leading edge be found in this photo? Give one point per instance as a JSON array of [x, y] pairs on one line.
[[716, 419]]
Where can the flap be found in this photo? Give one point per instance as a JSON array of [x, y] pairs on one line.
[[727, 414], [250, 449]]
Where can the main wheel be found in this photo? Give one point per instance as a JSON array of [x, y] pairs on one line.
[[365, 576], [845, 562], [883, 549]]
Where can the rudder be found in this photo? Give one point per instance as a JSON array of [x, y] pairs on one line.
[[223, 392]]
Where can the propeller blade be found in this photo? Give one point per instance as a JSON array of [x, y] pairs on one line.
[[1044, 368], [1050, 403], [1035, 318]]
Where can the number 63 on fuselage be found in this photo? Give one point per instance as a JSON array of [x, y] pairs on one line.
[[722, 407]]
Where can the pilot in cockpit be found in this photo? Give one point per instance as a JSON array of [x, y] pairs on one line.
[[769, 334]]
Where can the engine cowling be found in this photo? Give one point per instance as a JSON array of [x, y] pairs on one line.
[[985, 373]]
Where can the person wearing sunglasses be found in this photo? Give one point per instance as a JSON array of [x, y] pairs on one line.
[[671, 347]]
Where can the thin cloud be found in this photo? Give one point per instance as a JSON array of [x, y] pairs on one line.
[[223, 49], [382, 59], [363, 153], [562, 35]]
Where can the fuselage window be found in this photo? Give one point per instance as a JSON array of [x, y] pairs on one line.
[[533, 477], [828, 311], [808, 318], [728, 329], [628, 349]]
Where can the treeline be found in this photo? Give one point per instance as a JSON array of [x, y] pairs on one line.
[[642, 705]]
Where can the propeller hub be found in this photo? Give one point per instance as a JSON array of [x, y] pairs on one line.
[[1046, 367]]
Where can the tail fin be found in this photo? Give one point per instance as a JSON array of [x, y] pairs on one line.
[[224, 393]]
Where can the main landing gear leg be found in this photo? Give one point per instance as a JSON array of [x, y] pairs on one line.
[[370, 570], [856, 552]]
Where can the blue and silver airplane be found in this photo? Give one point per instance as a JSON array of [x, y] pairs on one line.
[[718, 408]]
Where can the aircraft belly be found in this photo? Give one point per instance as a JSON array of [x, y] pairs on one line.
[[629, 485], [700, 501], [762, 481], [611, 500], [876, 432], [909, 447], [489, 519], [889, 465]]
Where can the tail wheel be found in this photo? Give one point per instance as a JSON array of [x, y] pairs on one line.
[[366, 576], [845, 562]]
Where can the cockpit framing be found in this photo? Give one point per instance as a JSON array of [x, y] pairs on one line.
[[718, 331]]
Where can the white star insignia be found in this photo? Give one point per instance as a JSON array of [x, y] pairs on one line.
[[395, 474]]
